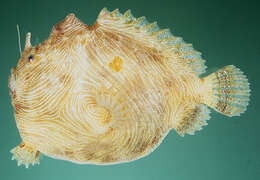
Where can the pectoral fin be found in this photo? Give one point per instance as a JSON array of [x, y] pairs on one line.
[[193, 119]]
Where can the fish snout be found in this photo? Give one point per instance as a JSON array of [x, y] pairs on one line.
[[11, 83]]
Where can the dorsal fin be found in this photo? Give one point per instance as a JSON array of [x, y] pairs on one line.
[[66, 27], [151, 32]]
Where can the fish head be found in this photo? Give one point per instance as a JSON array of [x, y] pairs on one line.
[[51, 59], [44, 73], [21, 76]]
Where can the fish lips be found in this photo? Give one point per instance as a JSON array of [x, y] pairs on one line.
[[11, 82]]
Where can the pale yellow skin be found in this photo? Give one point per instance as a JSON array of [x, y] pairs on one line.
[[100, 94]]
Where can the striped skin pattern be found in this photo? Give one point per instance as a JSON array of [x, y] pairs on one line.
[[109, 93]]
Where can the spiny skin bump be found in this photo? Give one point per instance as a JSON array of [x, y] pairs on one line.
[[107, 93]]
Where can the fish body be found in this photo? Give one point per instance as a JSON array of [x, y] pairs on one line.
[[109, 93]]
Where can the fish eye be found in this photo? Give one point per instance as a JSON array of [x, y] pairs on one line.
[[30, 58]]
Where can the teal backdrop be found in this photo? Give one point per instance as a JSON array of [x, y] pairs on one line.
[[226, 32]]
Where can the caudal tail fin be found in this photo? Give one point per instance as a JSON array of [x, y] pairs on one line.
[[227, 91]]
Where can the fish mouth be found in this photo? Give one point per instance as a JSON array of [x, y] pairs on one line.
[[11, 82]]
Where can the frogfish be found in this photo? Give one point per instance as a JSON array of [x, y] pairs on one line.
[[110, 92]]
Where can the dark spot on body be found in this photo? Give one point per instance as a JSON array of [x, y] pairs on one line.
[[222, 107], [108, 158], [156, 58], [12, 93], [18, 108], [169, 83], [37, 154], [112, 36], [156, 138], [28, 76], [140, 147], [22, 145], [37, 48], [89, 155], [93, 27], [143, 147], [69, 153], [63, 78], [58, 30]]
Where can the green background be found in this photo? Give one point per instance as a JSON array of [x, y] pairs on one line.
[[226, 32]]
